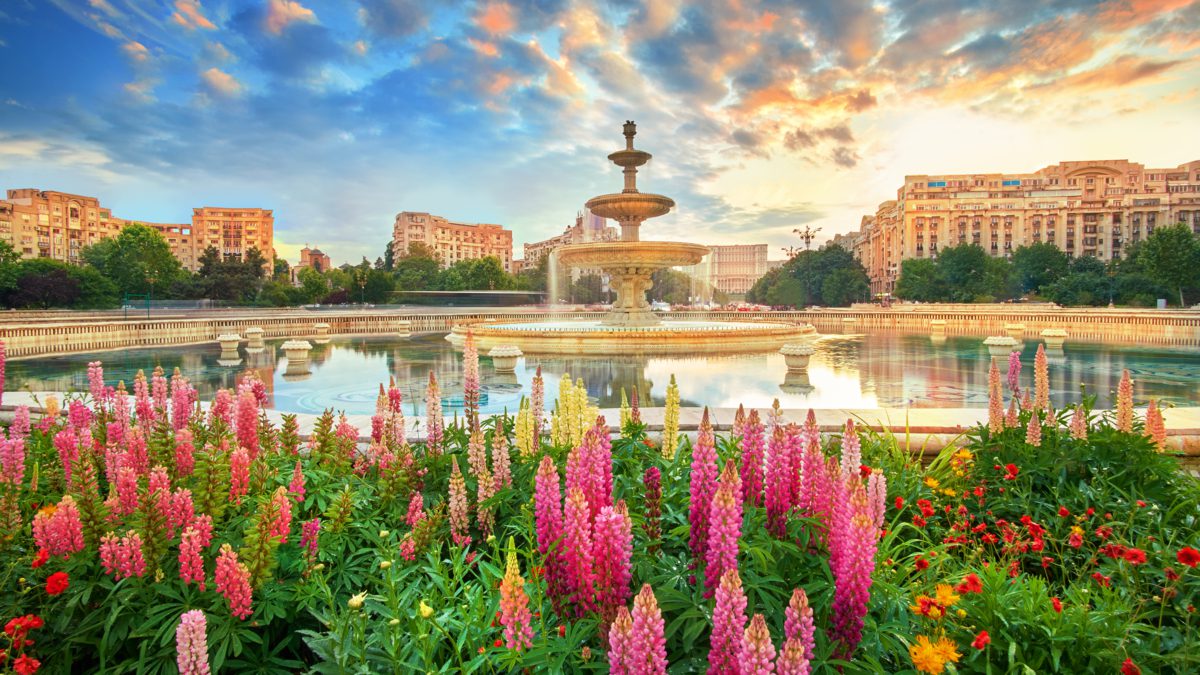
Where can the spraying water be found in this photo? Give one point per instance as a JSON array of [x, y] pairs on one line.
[[552, 278]]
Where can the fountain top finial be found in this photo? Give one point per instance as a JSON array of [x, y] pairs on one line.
[[630, 132]]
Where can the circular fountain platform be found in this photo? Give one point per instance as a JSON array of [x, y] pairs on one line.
[[667, 337]]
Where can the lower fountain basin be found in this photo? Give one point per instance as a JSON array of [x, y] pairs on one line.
[[667, 337]]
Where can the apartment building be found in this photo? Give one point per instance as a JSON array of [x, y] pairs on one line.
[[451, 241]]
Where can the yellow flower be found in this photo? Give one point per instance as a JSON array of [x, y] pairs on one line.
[[962, 613], [1075, 529], [932, 482], [356, 601], [426, 610], [931, 657], [949, 493], [384, 564], [945, 595], [963, 454], [51, 406], [383, 534]]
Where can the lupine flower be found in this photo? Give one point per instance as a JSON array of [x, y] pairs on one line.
[[239, 474], [612, 549], [247, 422], [182, 401], [577, 552], [12, 460], [59, 533], [191, 644], [1156, 429], [635, 413], [433, 415], [791, 659], [778, 489], [476, 453], [757, 656], [19, 429], [514, 604], [537, 402], [381, 410], [1033, 432], [877, 498], [1078, 425], [549, 522], [460, 523], [127, 490], [185, 461], [122, 558], [670, 434], [652, 479], [296, 487], [703, 484], [471, 378], [752, 441], [798, 624], [724, 528], [1125, 403], [1014, 373], [310, 531], [851, 450], [281, 525], [624, 410], [1041, 381], [137, 453], [500, 458], [95, 376], [647, 653], [158, 390], [618, 643], [995, 400], [729, 623], [191, 562], [143, 406], [221, 408], [416, 509], [485, 489], [233, 582], [1012, 417], [852, 541]]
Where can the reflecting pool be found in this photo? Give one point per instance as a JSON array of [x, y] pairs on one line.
[[855, 371]]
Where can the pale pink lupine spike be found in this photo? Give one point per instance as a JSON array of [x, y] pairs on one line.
[[995, 400], [1041, 380], [191, 644], [757, 656], [851, 450]]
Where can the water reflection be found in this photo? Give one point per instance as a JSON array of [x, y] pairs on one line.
[[860, 371]]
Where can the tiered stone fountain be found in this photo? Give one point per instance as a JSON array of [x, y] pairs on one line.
[[629, 264]]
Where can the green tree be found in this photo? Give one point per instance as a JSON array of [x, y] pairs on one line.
[[8, 267], [668, 285], [844, 286], [136, 260], [921, 280], [1172, 257], [313, 285], [1039, 264], [964, 269], [418, 269], [588, 289], [280, 270]]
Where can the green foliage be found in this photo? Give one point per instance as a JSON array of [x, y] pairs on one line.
[[1038, 265], [231, 279], [827, 276], [136, 260], [921, 280], [1171, 256], [42, 283]]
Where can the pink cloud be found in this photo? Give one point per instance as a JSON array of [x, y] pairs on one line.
[[281, 13]]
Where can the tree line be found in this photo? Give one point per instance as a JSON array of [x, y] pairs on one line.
[[828, 276]]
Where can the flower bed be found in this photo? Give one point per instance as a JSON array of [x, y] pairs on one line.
[[144, 534]]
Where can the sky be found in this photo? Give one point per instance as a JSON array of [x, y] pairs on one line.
[[762, 115]]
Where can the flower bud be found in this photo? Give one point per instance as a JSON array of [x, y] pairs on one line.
[[383, 534], [318, 567], [394, 622], [384, 564], [426, 610], [356, 601]]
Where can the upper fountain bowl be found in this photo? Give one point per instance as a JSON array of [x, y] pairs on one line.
[[616, 255], [630, 206]]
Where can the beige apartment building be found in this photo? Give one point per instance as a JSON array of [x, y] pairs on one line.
[[1096, 208], [588, 228], [452, 242], [59, 225]]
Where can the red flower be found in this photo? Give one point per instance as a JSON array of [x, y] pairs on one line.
[[1011, 471], [1104, 532], [57, 583], [1057, 605], [497, 643], [1130, 668], [1188, 556], [25, 665], [1135, 556], [1171, 574], [921, 564], [1090, 512], [1141, 503], [562, 630], [982, 640], [481, 650], [1047, 561], [1101, 579], [41, 558], [864, 470], [18, 627], [970, 584], [1063, 512], [899, 503]]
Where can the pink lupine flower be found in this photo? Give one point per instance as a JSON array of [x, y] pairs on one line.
[[853, 538], [577, 552], [500, 458], [122, 558], [1014, 373], [79, 415], [143, 406], [181, 401], [408, 548], [12, 460], [60, 534], [514, 605], [1156, 428], [548, 517], [618, 643], [877, 497], [221, 408], [476, 453], [757, 655], [701, 488], [635, 413], [995, 400], [182, 511], [752, 442], [137, 453], [471, 378], [851, 451], [460, 523], [433, 416], [247, 422], [729, 623], [1011, 418], [1125, 403], [724, 528], [601, 461], [381, 413], [310, 531], [281, 525], [127, 490], [158, 390], [647, 650], [1033, 432], [158, 480], [537, 404], [95, 376], [233, 582], [416, 509], [778, 489], [1041, 380], [204, 528], [791, 660], [1078, 426], [191, 644], [256, 387], [798, 623], [191, 562], [109, 544], [739, 422], [296, 487], [239, 474], [20, 424], [612, 549], [394, 396]]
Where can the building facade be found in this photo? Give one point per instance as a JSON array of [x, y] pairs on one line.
[[310, 257], [451, 242], [1093, 209], [588, 228], [59, 225]]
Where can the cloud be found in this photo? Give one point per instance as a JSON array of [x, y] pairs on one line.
[[393, 18], [136, 51], [280, 13], [496, 18], [190, 15], [220, 82], [1120, 72]]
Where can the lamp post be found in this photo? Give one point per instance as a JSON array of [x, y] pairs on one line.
[[362, 286]]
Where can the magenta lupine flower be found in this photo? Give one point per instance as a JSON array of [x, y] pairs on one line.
[[724, 528], [191, 644], [647, 649], [281, 525], [577, 552], [1014, 373], [514, 605], [701, 488], [79, 415], [296, 487], [537, 405], [239, 474], [618, 642], [12, 460], [182, 511], [798, 623], [60, 534], [471, 378], [191, 562], [127, 490], [137, 452], [460, 522], [652, 514], [233, 582], [433, 416], [416, 509], [109, 543], [855, 538], [778, 489], [181, 401], [1033, 432], [757, 656], [67, 445], [500, 459], [1041, 380], [95, 376], [310, 531], [752, 443], [612, 549], [600, 460], [729, 623], [221, 408], [548, 517], [20, 424], [579, 469], [851, 451], [247, 422]]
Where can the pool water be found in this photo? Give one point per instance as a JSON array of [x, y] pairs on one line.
[[860, 371]]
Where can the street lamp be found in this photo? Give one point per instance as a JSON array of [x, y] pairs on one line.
[[362, 287]]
